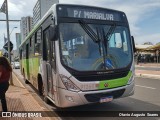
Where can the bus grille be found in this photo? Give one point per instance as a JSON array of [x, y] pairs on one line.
[[97, 96], [101, 77]]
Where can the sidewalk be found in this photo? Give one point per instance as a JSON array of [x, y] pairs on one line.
[[20, 99], [146, 72]]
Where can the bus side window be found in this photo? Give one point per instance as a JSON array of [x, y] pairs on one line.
[[24, 51], [31, 49], [38, 43], [46, 50], [20, 54]]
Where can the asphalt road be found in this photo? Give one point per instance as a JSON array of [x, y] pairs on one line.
[[146, 98]]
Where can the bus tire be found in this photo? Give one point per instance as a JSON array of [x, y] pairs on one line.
[[40, 86], [26, 81]]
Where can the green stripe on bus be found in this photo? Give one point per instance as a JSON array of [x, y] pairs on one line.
[[105, 84], [32, 67]]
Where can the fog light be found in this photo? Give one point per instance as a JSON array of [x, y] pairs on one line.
[[69, 98]]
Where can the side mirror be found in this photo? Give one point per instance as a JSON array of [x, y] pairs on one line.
[[133, 44], [53, 33]]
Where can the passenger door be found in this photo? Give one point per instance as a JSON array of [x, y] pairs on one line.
[[49, 50]]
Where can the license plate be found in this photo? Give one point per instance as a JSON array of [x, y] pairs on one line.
[[106, 99]]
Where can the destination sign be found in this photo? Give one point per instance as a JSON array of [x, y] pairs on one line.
[[90, 13]]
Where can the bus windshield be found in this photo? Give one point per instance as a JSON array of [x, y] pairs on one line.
[[94, 47]]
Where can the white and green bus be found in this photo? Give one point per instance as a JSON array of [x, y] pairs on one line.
[[77, 55]]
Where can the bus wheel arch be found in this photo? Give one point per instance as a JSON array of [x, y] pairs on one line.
[[41, 89]]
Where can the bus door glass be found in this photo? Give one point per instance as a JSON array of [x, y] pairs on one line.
[[48, 57]]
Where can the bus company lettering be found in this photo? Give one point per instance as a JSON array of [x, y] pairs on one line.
[[93, 15]]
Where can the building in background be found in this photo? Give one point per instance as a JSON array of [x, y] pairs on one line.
[[18, 40], [1, 53], [5, 40], [41, 7], [15, 55], [26, 26]]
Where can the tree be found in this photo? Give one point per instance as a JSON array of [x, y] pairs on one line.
[[158, 43], [148, 43]]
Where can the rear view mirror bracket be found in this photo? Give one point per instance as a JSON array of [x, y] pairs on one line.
[[53, 33], [133, 44]]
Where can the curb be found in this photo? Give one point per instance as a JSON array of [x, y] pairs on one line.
[[136, 66]]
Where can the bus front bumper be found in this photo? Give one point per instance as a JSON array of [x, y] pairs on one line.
[[69, 98]]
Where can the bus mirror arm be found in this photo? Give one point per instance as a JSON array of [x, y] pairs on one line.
[[53, 32], [133, 44]]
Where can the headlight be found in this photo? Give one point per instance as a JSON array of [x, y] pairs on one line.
[[69, 85]]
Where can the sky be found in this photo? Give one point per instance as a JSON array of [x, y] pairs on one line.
[[143, 16]]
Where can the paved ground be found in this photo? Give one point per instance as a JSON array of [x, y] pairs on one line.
[[146, 98], [149, 64], [150, 70], [20, 99]]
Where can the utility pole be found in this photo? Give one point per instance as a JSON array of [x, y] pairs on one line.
[[10, 20], [4, 9], [8, 36]]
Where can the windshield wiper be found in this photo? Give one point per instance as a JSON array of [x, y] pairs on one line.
[[89, 31], [95, 37], [110, 31], [99, 43], [106, 39]]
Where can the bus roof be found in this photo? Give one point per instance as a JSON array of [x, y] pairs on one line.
[[89, 6]]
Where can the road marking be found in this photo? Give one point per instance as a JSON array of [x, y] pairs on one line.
[[146, 87]]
